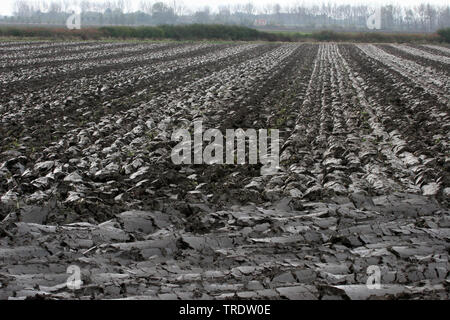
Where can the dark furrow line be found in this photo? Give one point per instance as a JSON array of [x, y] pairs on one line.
[[442, 67], [67, 51], [23, 86]]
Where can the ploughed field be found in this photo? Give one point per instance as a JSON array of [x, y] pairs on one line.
[[86, 176]]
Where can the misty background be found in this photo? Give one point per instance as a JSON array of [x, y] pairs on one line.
[[403, 16]]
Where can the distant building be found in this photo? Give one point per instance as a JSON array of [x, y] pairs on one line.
[[260, 22]]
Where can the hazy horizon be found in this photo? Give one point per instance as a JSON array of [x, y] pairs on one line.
[[7, 6]]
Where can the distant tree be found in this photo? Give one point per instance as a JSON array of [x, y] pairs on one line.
[[319, 14], [203, 16], [146, 6], [163, 14], [431, 15], [22, 8], [443, 17], [55, 7], [249, 8], [387, 17], [277, 8], [409, 20]]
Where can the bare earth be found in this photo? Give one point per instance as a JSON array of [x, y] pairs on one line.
[[86, 177]]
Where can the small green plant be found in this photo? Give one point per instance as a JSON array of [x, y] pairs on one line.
[[14, 145], [280, 121]]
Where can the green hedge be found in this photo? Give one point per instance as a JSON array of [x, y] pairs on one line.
[[217, 32], [61, 33], [187, 32], [444, 34], [182, 32], [329, 35]]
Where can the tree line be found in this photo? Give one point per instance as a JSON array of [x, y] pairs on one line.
[[395, 18]]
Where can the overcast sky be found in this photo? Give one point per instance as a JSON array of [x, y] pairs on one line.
[[6, 6]]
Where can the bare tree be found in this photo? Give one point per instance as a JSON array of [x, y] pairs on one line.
[[320, 14], [146, 6], [249, 8], [22, 8]]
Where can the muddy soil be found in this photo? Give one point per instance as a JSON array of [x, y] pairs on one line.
[[87, 179]]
